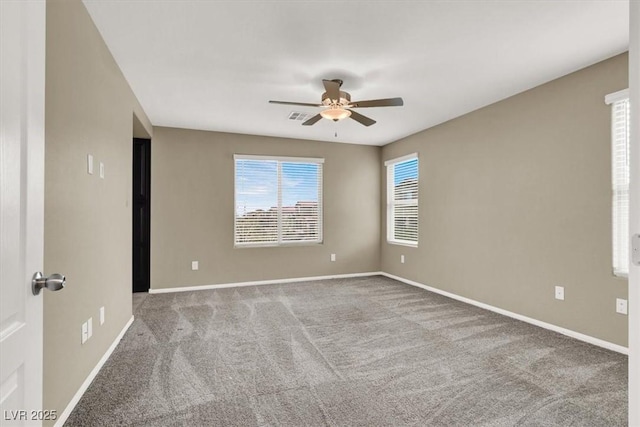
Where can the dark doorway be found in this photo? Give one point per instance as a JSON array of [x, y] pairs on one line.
[[141, 214]]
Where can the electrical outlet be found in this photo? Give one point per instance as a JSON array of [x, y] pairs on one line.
[[621, 306], [560, 293], [401, 259], [85, 332], [333, 257], [102, 315], [90, 327], [89, 164], [194, 265], [101, 170]]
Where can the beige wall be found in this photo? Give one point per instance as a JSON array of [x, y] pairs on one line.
[[89, 110], [192, 196], [515, 198]]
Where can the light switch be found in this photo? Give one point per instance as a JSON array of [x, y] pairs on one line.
[[89, 164], [85, 332], [621, 306], [333, 257], [194, 265], [560, 293], [101, 170], [102, 315], [90, 328]]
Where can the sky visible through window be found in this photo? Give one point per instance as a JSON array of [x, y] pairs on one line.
[[409, 171], [257, 184]]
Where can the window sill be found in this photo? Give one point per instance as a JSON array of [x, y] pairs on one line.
[[275, 245], [400, 243]]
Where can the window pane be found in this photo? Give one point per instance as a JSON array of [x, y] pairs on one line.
[[301, 201], [405, 179], [256, 201], [620, 185], [406, 222], [402, 222]]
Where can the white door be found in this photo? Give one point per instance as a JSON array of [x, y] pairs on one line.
[[634, 217], [22, 75]]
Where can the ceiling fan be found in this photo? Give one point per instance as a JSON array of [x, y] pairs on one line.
[[338, 105]]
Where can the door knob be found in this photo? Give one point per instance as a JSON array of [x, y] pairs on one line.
[[55, 282]]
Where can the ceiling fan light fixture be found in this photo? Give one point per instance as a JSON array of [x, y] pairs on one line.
[[335, 113]]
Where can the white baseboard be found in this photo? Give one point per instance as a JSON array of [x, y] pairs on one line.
[[92, 375], [568, 332], [261, 282]]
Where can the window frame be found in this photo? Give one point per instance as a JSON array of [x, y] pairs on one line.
[[280, 160], [619, 240], [392, 202]]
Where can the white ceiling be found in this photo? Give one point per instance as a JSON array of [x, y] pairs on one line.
[[214, 65]]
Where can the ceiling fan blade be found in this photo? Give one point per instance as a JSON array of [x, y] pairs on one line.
[[313, 120], [304, 104], [332, 88], [388, 102], [361, 119]]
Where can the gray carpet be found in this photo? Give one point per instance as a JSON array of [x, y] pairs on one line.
[[363, 351]]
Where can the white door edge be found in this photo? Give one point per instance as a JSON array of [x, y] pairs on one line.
[[22, 98], [634, 214]]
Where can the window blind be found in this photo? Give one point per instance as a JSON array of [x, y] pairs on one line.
[[402, 200], [277, 200], [620, 184]]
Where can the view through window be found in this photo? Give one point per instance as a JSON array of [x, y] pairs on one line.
[[278, 200], [402, 200]]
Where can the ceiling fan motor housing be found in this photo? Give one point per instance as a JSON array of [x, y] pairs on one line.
[[345, 99]]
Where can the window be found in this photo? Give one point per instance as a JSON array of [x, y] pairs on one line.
[[278, 200], [619, 102], [402, 200]]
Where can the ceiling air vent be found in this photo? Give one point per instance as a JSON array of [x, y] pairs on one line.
[[299, 116]]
